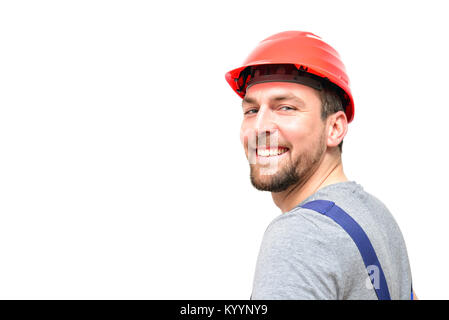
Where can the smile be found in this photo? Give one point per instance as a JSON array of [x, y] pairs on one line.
[[271, 152]]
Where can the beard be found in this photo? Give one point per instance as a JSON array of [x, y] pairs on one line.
[[294, 172]]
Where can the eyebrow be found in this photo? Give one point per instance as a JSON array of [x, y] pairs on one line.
[[249, 100]]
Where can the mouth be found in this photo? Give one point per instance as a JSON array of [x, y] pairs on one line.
[[265, 152]]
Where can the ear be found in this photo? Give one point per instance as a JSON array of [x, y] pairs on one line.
[[337, 128]]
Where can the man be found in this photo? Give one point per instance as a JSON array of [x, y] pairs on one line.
[[296, 108]]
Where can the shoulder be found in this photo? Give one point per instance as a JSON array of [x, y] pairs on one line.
[[303, 256], [302, 225]]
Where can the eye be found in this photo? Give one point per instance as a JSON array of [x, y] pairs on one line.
[[288, 108], [250, 111]]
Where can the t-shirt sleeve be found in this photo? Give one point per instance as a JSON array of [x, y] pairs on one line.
[[297, 261]]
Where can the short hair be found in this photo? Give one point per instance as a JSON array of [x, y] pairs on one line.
[[333, 99]]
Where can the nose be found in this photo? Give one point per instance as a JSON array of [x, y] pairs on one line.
[[262, 131], [265, 120]]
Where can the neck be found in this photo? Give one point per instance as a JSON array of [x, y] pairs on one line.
[[329, 171]]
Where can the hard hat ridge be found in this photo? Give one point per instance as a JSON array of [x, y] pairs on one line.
[[276, 72]]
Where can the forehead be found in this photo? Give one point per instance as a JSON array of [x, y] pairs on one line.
[[277, 91]]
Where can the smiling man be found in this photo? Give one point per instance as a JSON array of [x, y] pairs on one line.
[[333, 240]]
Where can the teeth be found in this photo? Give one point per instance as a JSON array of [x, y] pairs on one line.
[[271, 152]]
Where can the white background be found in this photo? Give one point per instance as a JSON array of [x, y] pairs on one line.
[[121, 170]]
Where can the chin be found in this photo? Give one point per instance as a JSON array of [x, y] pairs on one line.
[[272, 183], [279, 180]]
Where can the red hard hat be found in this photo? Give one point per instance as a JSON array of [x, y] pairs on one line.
[[304, 50]]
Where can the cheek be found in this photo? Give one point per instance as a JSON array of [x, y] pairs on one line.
[[244, 134], [303, 137], [294, 132]]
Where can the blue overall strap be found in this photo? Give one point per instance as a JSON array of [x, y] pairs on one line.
[[331, 210]]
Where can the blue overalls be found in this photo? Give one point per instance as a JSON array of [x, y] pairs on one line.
[[331, 210]]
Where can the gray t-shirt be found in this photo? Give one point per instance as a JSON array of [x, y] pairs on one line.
[[307, 255]]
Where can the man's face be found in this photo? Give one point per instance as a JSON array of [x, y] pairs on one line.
[[282, 133]]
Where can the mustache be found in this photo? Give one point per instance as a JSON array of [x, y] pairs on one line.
[[263, 140]]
